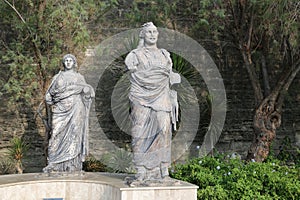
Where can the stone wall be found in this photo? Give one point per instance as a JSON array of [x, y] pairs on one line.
[[105, 135], [24, 123]]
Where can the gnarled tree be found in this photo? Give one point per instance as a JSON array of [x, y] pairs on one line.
[[266, 33]]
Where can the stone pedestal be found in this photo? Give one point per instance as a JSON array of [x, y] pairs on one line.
[[87, 186]]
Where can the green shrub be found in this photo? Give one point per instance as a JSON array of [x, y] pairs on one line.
[[288, 153], [6, 166], [16, 153], [119, 161], [91, 164], [222, 177]]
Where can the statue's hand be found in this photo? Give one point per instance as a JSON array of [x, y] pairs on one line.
[[48, 98], [88, 92], [174, 78]]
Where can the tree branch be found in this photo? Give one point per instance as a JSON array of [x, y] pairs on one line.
[[265, 75], [16, 11], [294, 72], [250, 31]]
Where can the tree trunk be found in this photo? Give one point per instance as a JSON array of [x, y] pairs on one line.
[[47, 119], [266, 120], [265, 76], [19, 167], [267, 117]]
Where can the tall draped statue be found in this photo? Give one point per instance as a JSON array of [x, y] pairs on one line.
[[154, 106], [70, 99]]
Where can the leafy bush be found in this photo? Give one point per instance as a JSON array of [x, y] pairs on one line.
[[288, 152], [91, 164], [119, 161], [222, 177], [6, 166], [16, 153]]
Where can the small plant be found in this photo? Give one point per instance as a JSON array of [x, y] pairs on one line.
[[288, 152], [119, 161], [6, 166], [93, 165], [16, 153]]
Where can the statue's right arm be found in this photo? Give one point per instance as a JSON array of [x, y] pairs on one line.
[[131, 61]]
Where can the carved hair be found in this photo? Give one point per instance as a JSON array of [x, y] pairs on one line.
[[70, 56], [142, 33]]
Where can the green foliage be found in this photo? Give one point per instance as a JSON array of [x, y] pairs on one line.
[[119, 161], [184, 68], [159, 12], [264, 27], [6, 166], [222, 177], [18, 148], [17, 151], [288, 153], [36, 37], [91, 164]]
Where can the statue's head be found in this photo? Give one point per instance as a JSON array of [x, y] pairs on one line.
[[69, 61], [148, 34]]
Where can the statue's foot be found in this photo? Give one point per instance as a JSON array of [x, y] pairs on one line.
[[170, 181], [48, 169], [133, 181]]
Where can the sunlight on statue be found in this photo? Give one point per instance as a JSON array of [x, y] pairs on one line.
[[154, 106], [70, 99]]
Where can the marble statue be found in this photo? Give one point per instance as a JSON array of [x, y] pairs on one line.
[[154, 106], [70, 99]]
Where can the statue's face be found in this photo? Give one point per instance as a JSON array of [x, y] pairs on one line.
[[150, 35], [69, 63]]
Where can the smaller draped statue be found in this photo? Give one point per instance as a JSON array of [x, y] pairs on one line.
[[69, 97], [154, 106]]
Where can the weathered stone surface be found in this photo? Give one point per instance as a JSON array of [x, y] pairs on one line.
[[91, 186], [69, 98], [153, 105]]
